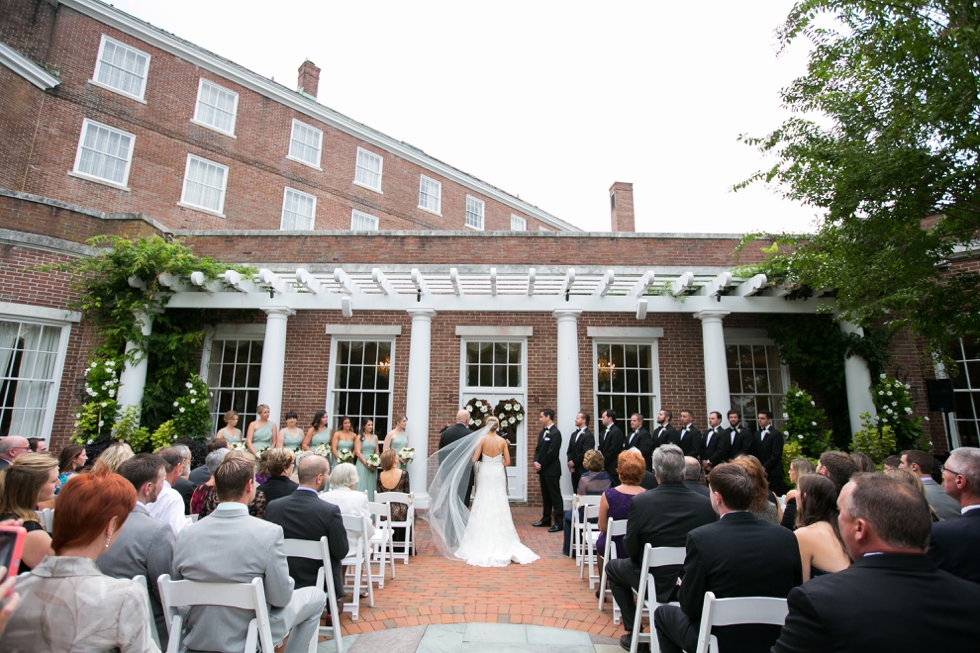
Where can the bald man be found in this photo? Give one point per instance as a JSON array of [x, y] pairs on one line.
[[11, 447], [458, 431]]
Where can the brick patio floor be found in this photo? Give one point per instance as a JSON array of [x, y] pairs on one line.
[[432, 589]]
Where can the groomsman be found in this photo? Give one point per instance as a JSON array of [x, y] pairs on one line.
[[739, 437], [640, 438], [610, 444], [664, 433], [768, 448], [580, 441], [715, 442], [689, 437], [548, 467]]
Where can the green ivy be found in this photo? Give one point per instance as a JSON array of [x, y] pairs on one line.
[[802, 422], [874, 440], [893, 401]]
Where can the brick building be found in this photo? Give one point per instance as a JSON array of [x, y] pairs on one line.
[[391, 283]]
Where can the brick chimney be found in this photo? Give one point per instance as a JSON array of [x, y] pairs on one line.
[[309, 79], [621, 206]]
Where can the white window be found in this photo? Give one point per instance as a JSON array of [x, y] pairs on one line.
[[368, 170], [121, 68], [627, 381], [216, 107], [474, 213], [305, 144], [31, 362], [204, 185], [104, 154], [430, 195], [298, 210], [757, 379], [543, 229], [517, 223], [966, 390], [362, 221], [360, 382], [233, 367]]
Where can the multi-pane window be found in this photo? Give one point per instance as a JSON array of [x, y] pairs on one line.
[[368, 170], [233, 377], [474, 212], [104, 153], [430, 194], [216, 107], [756, 381], [517, 223], [493, 364], [361, 387], [28, 357], [362, 221], [298, 210], [966, 389], [121, 67], [305, 144], [625, 382], [204, 184]]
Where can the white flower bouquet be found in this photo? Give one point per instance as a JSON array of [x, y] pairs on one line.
[[322, 450], [238, 446], [407, 454], [345, 455], [374, 460]]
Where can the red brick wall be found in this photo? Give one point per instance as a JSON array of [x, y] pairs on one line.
[[20, 102], [57, 220]]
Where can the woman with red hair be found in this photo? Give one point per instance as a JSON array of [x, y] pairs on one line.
[[67, 604]]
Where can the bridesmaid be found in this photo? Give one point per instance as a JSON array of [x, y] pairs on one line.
[[261, 432], [343, 438], [291, 436], [318, 433], [365, 445], [229, 432], [397, 439]]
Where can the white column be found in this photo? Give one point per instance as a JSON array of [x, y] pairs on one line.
[[857, 378], [417, 400], [569, 396], [274, 361], [132, 380], [717, 394]]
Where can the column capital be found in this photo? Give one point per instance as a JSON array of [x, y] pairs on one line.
[[848, 327], [711, 315], [278, 311], [562, 314], [421, 313]]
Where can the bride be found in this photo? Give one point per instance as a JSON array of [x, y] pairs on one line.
[[485, 537]]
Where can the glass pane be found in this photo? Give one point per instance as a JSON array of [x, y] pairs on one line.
[[343, 352], [514, 376], [618, 379], [632, 356], [645, 356], [759, 355], [776, 380], [744, 356], [472, 375], [500, 352], [515, 353], [499, 376], [632, 380], [240, 379], [731, 355], [354, 377], [602, 352], [618, 357], [370, 353], [973, 374], [472, 353], [734, 381], [646, 383], [370, 375], [971, 348], [964, 405], [486, 376], [762, 381], [486, 352], [960, 381], [748, 381]]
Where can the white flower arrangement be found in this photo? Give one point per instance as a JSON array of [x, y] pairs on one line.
[[374, 460], [345, 455], [407, 454], [322, 450], [238, 446]]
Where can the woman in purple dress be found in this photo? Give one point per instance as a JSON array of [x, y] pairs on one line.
[[615, 501]]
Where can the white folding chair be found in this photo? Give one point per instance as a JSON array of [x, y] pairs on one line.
[[382, 543], [401, 549], [141, 581], [358, 563], [245, 596], [47, 519], [590, 535], [615, 528], [320, 550], [646, 593], [735, 611], [578, 524], [782, 502]]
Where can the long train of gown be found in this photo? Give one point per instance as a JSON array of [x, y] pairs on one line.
[[490, 539]]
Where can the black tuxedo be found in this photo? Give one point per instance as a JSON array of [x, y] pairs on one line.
[[739, 555], [662, 516], [547, 454], [716, 445], [690, 441], [580, 441], [695, 486], [304, 516], [186, 490], [769, 451], [457, 431], [954, 545], [610, 446], [642, 440], [664, 434], [739, 442], [889, 602]]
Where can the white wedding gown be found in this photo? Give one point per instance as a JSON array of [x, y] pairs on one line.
[[490, 539]]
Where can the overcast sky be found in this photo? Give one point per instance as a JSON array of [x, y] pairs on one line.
[[551, 101]]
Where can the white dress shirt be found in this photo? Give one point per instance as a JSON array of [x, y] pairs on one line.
[[350, 503], [169, 508]]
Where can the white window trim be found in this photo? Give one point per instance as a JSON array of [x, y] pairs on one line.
[[355, 212], [74, 172], [197, 103], [319, 152], [517, 217], [195, 207], [438, 210], [98, 64], [381, 170], [750, 338], [332, 371], [654, 362], [282, 215], [483, 216]]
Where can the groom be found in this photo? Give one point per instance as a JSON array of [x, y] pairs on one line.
[[548, 467]]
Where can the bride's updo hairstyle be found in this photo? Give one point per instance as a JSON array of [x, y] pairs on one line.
[[493, 423]]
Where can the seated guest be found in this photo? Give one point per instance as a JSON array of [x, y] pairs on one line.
[[392, 479], [817, 532], [893, 598], [836, 465], [615, 501], [169, 506], [114, 455], [738, 555], [230, 546], [659, 517], [342, 494], [67, 604], [954, 544], [146, 546], [201, 474], [909, 477], [304, 517], [892, 462], [277, 467], [593, 482], [204, 500], [692, 476], [922, 463], [30, 479], [70, 459], [765, 505], [183, 485], [863, 462], [797, 468], [37, 445]]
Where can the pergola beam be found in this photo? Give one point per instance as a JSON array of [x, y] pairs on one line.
[[420, 286], [346, 282], [640, 287], [716, 285], [454, 280], [274, 281], [681, 283], [309, 281], [530, 282], [605, 283], [750, 286], [567, 282], [384, 285], [493, 282]]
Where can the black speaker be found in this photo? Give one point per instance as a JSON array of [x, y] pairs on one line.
[[941, 395]]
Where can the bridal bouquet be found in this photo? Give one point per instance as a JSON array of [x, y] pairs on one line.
[[322, 450], [345, 455], [407, 454], [238, 446], [374, 460]]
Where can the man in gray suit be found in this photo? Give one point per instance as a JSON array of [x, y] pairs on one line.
[[230, 546], [922, 463], [145, 547]]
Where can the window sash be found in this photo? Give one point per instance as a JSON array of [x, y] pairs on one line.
[[368, 169], [966, 392], [306, 143], [104, 153], [360, 221], [361, 382], [204, 184], [626, 381], [216, 106], [474, 212], [121, 67], [430, 194], [518, 223], [757, 381], [298, 210], [233, 372], [30, 363]]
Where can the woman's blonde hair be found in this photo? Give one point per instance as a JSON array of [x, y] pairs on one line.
[[388, 459], [21, 483], [260, 408], [278, 461], [493, 423], [115, 455], [802, 466]]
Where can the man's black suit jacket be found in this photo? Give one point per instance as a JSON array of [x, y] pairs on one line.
[[889, 602], [642, 441], [716, 445], [547, 453], [199, 475], [955, 544], [769, 451], [578, 443], [610, 446], [304, 516], [186, 490], [664, 516], [690, 441], [457, 431], [740, 555], [664, 434], [695, 486], [649, 481], [739, 442]]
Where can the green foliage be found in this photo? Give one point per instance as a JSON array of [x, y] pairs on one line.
[[99, 412], [877, 441], [191, 417], [164, 436], [128, 429], [802, 422], [895, 407]]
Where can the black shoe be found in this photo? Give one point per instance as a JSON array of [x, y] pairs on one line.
[[542, 523], [556, 528], [627, 640]]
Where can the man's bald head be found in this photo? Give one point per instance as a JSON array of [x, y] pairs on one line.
[[310, 468], [13, 446], [463, 415]]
